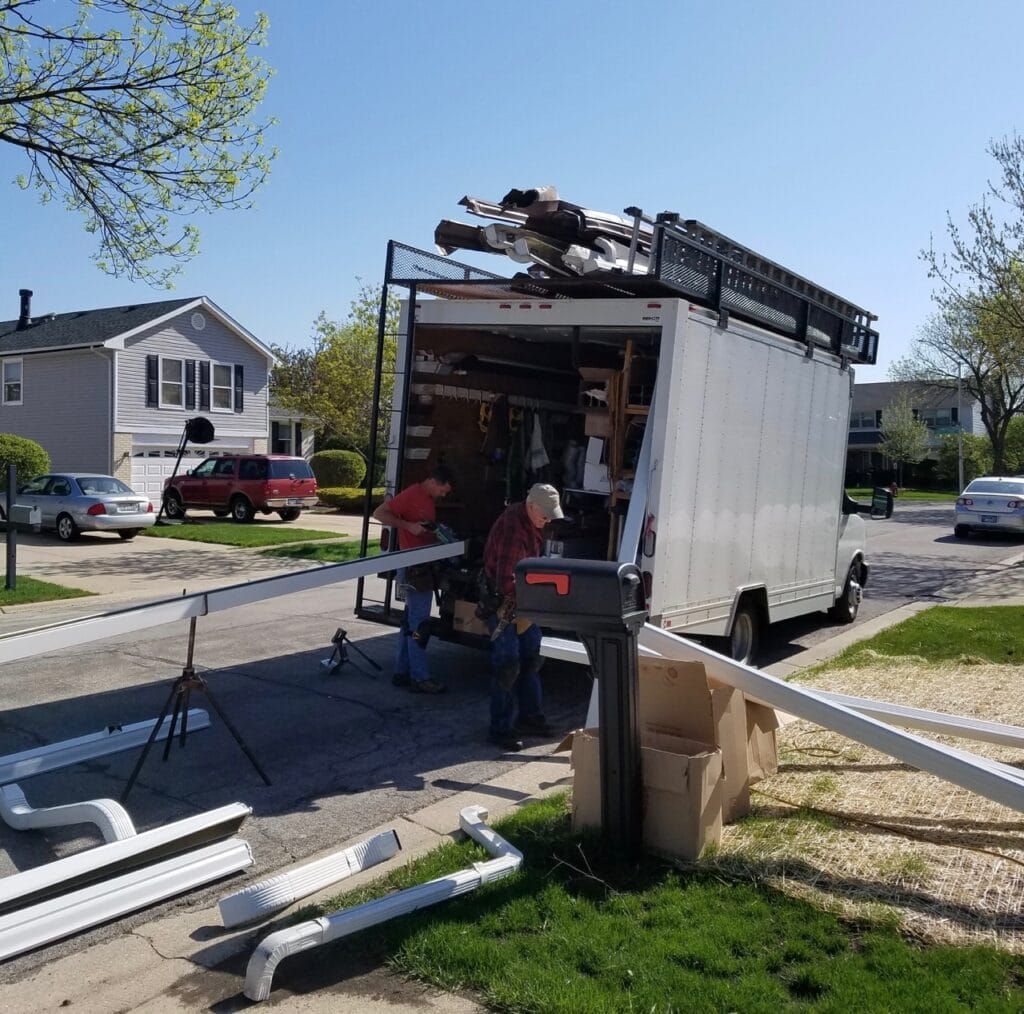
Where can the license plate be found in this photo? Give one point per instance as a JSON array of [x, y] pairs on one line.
[[989, 519], [295, 503], [128, 510]]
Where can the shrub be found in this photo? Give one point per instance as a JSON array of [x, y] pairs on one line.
[[337, 443], [26, 455], [348, 499], [338, 468]]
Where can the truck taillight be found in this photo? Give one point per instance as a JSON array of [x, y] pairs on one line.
[[96, 508], [648, 584], [965, 501]]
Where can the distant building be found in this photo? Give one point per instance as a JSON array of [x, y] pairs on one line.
[[865, 463]]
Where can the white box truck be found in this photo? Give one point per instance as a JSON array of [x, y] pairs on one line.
[[712, 434]]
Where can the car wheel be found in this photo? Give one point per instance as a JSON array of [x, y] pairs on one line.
[[220, 512], [847, 605], [173, 507], [67, 530], [745, 636], [289, 513], [127, 534], [241, 510], [961, 531]]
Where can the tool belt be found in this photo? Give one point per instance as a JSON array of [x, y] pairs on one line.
[[488, 599], [421, 578]]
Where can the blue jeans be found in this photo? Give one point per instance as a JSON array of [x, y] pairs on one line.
[[515, 676], [412, 656]]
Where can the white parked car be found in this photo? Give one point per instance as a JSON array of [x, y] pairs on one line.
[[991, 504], [74, 502]]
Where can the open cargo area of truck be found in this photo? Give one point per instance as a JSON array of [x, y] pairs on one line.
[[714, 354]]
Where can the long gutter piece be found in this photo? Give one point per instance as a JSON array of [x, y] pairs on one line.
[[69, 633], [272, 950], [275, 893], [110, 817], [84, 868], [17, 767], [66, 914]]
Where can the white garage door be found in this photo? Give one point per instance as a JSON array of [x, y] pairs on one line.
[[150, 470]]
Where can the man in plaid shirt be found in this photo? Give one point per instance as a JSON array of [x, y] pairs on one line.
[[515, 652]]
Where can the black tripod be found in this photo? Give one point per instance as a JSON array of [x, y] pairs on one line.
[[180, 696], [342, 642]]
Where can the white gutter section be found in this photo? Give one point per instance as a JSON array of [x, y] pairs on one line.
[[29, 643], [71, 913], [275, 948], [996, 781], [110, 818], [18, 766], [279, 892], [83, 868]]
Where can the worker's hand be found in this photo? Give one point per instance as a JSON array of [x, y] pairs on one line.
[[414, 528]]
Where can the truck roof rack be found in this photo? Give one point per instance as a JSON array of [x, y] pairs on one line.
[[688, 260]]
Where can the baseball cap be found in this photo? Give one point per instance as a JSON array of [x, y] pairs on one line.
[[545, 499]]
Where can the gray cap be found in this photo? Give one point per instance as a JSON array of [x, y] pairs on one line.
[[545, 499]]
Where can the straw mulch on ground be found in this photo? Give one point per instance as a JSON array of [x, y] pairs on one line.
[[864, 834]]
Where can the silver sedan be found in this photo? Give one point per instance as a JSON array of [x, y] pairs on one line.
[[74, 502], [991, 504]]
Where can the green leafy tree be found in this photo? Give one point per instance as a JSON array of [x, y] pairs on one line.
[[904, 436], [138, 114], [332, 379], [1014, 449], [977, 458]]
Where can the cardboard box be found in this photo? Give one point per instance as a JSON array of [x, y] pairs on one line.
[[677, 698], [465, 620], [762, 744], [682, 792], [598, 423]]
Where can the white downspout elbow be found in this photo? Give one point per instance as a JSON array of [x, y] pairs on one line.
[[110, 818]]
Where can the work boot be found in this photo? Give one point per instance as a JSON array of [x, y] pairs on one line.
[[427, 687], [506, 741], [533, 725], [401, 679]]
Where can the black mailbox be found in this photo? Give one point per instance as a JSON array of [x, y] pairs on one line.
[[604, 604]]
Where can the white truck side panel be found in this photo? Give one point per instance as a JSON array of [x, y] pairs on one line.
[[749, 492]]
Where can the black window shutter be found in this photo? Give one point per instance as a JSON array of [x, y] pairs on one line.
[[238, 388], [275, 436], [297, 449], [152, 380], [204, 386], [190, 383]]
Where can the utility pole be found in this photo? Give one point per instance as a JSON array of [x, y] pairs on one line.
[[959, 433]]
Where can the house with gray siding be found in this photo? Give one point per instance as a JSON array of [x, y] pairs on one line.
[[109, 390]]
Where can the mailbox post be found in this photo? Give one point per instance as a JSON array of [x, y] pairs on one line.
[[604, 604]]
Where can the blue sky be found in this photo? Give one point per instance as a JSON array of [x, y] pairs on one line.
[[829, 136]]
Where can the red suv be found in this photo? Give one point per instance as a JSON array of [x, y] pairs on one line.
[[241, 485]]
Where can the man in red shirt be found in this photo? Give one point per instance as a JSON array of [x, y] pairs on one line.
[[410, 512], [515, 652]]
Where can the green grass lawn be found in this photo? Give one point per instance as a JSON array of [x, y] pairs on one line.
[[30, 590], [945, 633], [333, 552], [575, 931], [862, 493], [229, 533]]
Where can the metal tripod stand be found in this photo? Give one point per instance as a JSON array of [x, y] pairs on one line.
[[339, 656], [180, 696]]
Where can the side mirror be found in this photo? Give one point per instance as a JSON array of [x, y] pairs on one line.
[[881, 503]]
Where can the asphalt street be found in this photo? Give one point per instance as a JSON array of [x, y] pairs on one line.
[[345, 752]]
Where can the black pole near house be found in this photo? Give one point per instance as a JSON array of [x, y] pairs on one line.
[[12, 535]]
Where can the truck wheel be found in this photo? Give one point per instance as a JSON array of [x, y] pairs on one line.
[[241, 510], [290, 513], [845, 609], [961, 531], [173, 507], [745, 636]]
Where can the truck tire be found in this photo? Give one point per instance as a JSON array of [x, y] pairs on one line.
[[290, 513], [241, 510], [847, 605], [173, 507], [744, 640]]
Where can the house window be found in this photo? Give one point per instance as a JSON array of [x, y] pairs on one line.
[[172, 383], [280, 438], [864, 421], [222, 397], [12, 381]]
